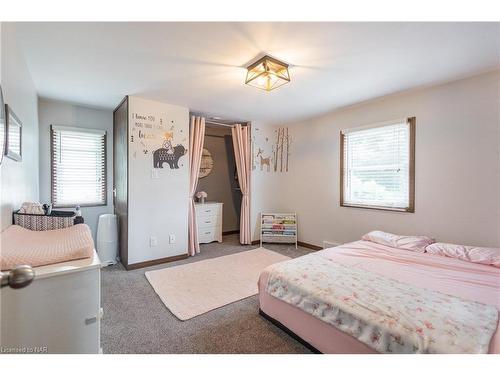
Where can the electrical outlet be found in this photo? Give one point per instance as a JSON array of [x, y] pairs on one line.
[[153, 241], [171, 238]]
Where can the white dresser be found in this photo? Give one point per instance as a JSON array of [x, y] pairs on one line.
[[209, 221], [60, 312]]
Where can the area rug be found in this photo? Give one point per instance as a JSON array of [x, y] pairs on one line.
[[193, 289]]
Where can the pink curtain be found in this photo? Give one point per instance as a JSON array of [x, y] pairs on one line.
[[196, 136], [242, 156]]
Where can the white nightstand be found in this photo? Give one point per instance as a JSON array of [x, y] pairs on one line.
[[209, 221]]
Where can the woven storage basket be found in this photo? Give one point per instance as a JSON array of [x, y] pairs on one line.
[[56, 220]]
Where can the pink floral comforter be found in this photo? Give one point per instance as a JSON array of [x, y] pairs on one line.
[[388, 315]]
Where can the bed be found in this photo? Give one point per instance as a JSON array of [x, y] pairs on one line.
[[477, 286]]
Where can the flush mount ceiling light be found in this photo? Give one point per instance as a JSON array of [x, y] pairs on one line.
[[267, 73]]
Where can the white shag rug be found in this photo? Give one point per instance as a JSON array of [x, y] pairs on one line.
[[195, 288]]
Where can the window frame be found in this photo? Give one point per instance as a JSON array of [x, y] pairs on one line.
[[52, 169], [411, 121]]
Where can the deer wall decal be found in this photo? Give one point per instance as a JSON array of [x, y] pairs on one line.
[[264, 161]]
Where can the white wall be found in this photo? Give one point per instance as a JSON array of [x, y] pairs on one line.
[[158, 206], [19, 180], [457, 167], [267, 193], [51, 112]]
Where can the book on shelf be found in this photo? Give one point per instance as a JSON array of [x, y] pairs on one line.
[[279, 228]]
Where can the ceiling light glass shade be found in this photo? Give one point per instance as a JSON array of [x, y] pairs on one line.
[[267, 74]]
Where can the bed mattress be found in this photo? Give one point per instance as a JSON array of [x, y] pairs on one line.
[[475, 282], [37, 248]]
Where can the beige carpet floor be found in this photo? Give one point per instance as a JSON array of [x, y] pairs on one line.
[[193, 289], [136, 320]]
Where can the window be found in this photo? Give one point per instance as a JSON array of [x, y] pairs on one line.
[[78, 163], [378, 166]]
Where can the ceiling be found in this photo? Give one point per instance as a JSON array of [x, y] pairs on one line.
[[202, 65]]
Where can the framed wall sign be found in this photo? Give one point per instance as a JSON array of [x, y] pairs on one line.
[[3, 126], [13, 147]]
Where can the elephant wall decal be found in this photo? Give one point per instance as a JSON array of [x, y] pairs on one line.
[[162, 155]]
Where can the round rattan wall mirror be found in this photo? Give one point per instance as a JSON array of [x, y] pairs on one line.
[[207, 163]]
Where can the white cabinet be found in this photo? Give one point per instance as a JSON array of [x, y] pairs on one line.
[[60, 312], [209, 221]]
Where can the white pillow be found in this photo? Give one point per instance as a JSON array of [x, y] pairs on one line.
[[473, 254], [411, 243]]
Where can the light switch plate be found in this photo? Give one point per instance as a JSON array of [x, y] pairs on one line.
[[171, 238], [153, 241], [154, 173]]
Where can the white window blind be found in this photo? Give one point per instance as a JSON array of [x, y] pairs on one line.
[[78, 166], [377, 166]]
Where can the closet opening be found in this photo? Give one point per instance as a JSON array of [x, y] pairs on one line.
[[220, 213]]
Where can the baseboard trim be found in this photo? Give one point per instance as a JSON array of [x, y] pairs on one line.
[[309, 246], [237, 231], [154, 262], [289, 332], [300, 243]]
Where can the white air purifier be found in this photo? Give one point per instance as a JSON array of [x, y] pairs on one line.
[[107, 239]]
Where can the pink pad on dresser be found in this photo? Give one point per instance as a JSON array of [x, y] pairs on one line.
[[37, 248]]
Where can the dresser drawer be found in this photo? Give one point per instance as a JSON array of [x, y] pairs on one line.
[[208, 210], [206, 235], [209, 221]]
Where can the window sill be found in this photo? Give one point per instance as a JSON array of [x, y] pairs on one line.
[[380, 208]]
